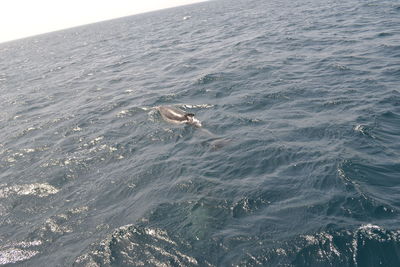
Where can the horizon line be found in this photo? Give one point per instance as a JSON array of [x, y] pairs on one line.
[[194, 2]]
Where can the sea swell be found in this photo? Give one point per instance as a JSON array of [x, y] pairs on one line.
[[296, 163]]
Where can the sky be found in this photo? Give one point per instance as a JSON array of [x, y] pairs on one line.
[[23, 18]]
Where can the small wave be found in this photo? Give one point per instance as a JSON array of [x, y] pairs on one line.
[[197, 106], [54, 226], [189, 106], [137, 246], [364, 130], [122, 113], [16, 252], [40, 190], [362, 204], [14, 156], [368, 245], [146, 108], [341, 67], [360, 128], [209, 78], [248, 205], [385, 34]]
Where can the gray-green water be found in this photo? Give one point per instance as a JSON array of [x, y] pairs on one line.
[[304, 94]]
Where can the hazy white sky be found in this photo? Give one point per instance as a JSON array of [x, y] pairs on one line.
[[22, 18]]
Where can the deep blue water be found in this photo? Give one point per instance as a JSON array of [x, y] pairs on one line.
[[302, 166]]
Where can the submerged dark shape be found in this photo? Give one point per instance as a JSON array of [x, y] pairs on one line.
[[219, 143], [175, 115]]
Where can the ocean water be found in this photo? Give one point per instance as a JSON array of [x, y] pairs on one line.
[[297, 163]]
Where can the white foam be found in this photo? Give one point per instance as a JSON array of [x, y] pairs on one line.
[[197, 106], [36, 189], [160, 234], [361, 129], [122, 113], [14, 252], [13, 255]]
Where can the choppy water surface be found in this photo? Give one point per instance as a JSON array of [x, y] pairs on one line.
[[302, 166]]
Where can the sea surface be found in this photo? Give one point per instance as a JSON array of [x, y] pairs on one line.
[[297, 162]]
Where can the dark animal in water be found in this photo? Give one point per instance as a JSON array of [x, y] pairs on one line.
[[175, 115]]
